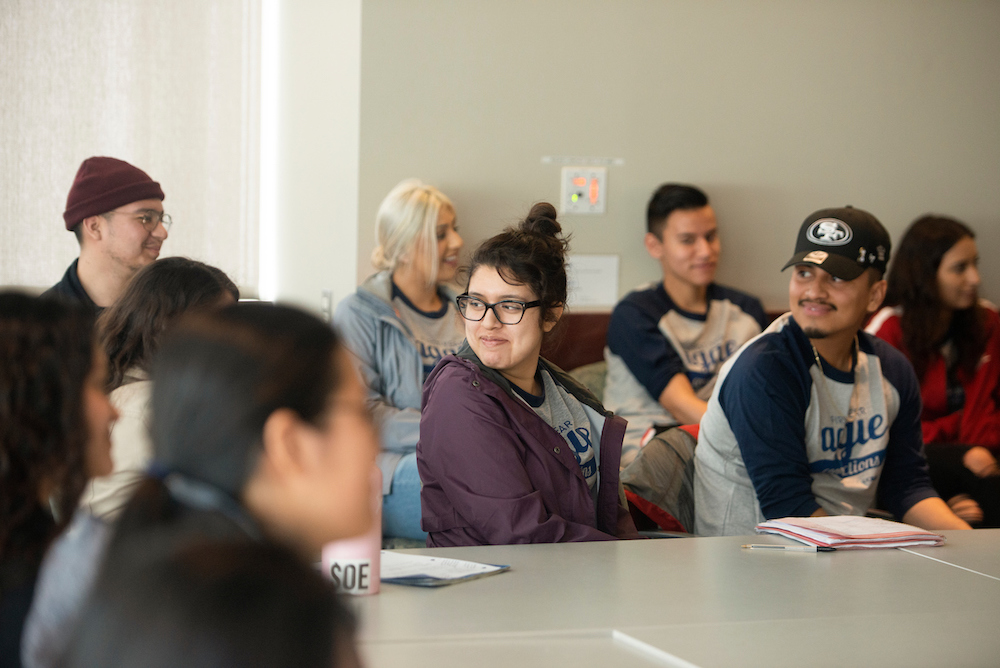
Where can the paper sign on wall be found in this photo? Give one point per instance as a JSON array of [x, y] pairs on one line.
[[593, 280]]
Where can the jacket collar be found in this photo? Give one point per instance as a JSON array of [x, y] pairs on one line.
[[376, 292], [134, 375], [207, 497], [581, 393]]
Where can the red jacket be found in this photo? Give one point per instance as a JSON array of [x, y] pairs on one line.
[[978, 422], [495, 473]]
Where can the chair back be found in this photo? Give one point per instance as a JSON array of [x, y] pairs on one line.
[[660, 480]]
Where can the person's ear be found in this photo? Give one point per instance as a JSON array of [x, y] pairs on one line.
[[876, 294], [285, 452], [552, 318], [93, 228], [654, 246]]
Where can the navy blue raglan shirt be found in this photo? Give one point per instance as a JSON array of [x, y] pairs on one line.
[[783, 437]]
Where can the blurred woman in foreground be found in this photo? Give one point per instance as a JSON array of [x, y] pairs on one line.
[[129, 332], [55, 421], [260, 434]]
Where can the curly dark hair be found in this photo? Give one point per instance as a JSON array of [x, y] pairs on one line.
[[913, 285], [46, 353], [532, 254], [130, 329]]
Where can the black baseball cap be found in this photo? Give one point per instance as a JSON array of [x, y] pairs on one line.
[[843, 242]]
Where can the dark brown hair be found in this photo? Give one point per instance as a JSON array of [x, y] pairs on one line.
[[220, 374], [217, 378], [130, 329], [668, 198], [46, 353], [531, 254], [913, 286], [210, 604]]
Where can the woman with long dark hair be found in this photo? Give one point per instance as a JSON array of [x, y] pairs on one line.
[[934, 315], [512, 449], [130, 332], [54, 433]]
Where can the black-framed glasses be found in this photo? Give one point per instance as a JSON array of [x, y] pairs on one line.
[[507, 311], [150, 218]]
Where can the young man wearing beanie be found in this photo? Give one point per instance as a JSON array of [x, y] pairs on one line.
[[814, 416], [116, 212]]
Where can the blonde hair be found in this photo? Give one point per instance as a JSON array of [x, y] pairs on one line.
[[407, 216]]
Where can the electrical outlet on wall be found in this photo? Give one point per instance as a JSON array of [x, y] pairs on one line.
[[584, 189]]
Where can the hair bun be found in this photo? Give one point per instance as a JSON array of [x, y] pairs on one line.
[[541, 220]]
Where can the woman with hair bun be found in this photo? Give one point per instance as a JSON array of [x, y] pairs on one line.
[[512, 449], [399, 324], [935, 317]]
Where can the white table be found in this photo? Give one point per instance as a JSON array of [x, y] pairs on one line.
[[697, 601]]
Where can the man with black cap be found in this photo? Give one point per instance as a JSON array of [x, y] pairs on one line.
[[116, 212], [814, 416]]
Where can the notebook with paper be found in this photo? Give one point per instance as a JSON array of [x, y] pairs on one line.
[[422, 571], [850, 532]]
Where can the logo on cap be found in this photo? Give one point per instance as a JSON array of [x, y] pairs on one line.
[[816, 257], [829, 232]]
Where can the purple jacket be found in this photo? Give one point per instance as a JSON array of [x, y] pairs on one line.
[[494, 472]]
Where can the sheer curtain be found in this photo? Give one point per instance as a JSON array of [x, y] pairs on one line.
[[171, 86]]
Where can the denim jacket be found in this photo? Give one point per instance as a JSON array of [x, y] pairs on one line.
[[389, 362]]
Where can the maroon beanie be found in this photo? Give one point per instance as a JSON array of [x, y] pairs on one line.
[[104, 184]]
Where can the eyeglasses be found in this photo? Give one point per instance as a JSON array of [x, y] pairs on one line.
[[507, 311], [149, 218]]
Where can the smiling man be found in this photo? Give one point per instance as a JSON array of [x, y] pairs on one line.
[[116, 212], [814, 416], [667, 342]]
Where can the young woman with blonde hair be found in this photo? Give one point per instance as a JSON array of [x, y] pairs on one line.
[[399, 324]]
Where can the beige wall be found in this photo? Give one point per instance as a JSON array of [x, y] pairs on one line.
[[775, 108], [309, 233]]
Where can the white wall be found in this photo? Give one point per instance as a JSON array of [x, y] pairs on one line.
[[314, 173], [776, 108]]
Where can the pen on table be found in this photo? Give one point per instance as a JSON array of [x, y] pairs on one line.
[[790, 548]]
